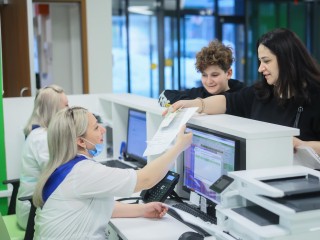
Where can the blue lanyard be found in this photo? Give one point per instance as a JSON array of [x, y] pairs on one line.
[[34, 126], [58, 176]]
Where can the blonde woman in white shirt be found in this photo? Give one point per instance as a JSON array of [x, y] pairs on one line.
[[75, 195], [48, 101]]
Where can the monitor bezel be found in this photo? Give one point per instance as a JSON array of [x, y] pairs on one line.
[[240, 153], [137, 160]]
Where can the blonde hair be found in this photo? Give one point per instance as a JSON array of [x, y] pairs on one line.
[[64, 129], [46, 104]]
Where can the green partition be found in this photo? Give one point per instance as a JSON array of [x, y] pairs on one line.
[[3, 172], [264, 16]]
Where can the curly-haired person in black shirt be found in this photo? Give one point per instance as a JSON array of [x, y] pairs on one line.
[[214, 63]]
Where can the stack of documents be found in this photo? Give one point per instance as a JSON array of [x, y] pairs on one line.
[[168, 130]]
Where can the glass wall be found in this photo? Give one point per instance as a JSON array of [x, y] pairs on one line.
[[198, 31], [264, 16], [155, 41], [119, 48]]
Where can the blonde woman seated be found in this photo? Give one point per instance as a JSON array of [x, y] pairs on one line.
[[75, 195], [48, 101]]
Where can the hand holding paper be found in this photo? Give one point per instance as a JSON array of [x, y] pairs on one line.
[[168, 130]]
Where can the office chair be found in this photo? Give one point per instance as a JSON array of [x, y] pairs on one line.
[[12, 204], [9, 225]]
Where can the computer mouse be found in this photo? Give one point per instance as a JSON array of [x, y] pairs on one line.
[[191, 236]]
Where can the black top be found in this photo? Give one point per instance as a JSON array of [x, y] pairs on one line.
[[244, 103], [172, 96]]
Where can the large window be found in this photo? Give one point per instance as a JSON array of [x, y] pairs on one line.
[[155, 42], [198, 32], [299, 16], [119, 54]]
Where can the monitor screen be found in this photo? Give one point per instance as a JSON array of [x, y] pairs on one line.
[[136, 137], [210, 155]]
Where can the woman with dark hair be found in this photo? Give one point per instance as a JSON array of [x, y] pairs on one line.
[[288, 94]]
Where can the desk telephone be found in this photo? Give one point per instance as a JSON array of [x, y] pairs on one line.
[[162, 190]]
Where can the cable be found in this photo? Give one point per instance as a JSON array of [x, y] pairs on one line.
[[130, 198]]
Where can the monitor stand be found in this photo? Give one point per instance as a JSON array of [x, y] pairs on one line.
[[175, 196]]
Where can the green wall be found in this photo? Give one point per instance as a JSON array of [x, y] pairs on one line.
[[3, 173], [265, 16]]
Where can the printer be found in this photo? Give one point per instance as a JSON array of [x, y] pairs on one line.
[[275, 203]]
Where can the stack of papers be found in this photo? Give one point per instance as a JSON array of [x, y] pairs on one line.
[[168, 130]]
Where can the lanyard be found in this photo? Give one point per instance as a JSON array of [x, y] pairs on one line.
[[58, 176]]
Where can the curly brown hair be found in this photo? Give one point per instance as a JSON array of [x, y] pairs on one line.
[[216, 53]]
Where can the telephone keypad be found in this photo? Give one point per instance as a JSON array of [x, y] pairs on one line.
[[162, 190], [158, 191]]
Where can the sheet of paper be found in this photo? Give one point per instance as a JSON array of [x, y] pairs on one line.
[[168, 132], [306, 156], [168, 119]]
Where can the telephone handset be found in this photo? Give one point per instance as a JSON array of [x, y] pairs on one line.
[[162, 190]]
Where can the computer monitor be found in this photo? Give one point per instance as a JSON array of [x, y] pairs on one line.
[[136, 137], [210, 155]]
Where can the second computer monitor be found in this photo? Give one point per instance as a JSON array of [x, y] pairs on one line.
[[136, 137], [210, 155]]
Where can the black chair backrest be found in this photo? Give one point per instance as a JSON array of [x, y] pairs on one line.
[[12, 205], [30, 225]]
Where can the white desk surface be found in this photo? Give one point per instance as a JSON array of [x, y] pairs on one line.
[[166, 228]]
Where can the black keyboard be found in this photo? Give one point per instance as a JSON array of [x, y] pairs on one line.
[[198, 229], [193, 210], [116, 164]]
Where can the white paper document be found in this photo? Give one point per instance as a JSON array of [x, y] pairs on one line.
[[306, 156], [168, 130]]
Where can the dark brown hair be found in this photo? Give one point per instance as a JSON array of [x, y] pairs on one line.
[[298, 70], [216, 53]]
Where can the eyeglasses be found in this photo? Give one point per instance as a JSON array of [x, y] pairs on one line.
[[54, 88], [71, 109]]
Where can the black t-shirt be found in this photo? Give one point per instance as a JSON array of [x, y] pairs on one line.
[[172, 96], [244, 103]]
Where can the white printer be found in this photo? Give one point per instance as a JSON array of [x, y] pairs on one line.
[[276, 203]]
